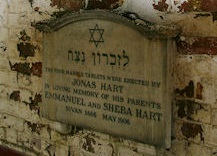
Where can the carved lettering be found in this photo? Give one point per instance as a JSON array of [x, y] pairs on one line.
[[73, 110], [76, 56], [85, 93], [110, 59], [84, 83], [155, 116], [63, 88], [112, 87], [117, 109], [64, 98], [90, 113], [109, 117]]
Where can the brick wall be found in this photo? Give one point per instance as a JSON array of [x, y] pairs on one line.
[[195, 94], [195, 105]]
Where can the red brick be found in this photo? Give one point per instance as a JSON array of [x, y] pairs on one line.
[[103, 4], [191, 5], [74, 5], [37, 69], [209, 5], [200, 45], [199, 5], [161, 6]]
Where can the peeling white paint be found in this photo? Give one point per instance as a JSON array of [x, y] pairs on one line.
[[175, 4], [145, 9], [86, 3], [45, 6]]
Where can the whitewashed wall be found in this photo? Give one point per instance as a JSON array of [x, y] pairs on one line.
[[195, 105]]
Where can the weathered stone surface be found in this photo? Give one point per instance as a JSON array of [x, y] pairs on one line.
[[19, 7], [195, 150], [11, 136], [210, 135], [11, 122], [214, 117], [3, 13], [189, 131], [125, 151], [178, 149], [198, 71], [62, 150]]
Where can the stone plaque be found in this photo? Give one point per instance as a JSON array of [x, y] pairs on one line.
[[104, 73]]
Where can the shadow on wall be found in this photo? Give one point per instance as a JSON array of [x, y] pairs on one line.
[[8, 152]]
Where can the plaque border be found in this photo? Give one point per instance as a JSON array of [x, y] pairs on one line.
[[53, 25], [148, 30]]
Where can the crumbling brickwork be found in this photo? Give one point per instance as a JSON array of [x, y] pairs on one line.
[[194, 120]]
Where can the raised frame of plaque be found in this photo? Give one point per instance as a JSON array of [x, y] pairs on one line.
[[103, 72]]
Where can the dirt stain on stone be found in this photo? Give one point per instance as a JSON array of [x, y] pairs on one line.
[[23, 68], [35, 127], [188, 91], [187, 108], [25, 47], [15, 96], [33, 104], [88, 144], [190, 130]]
